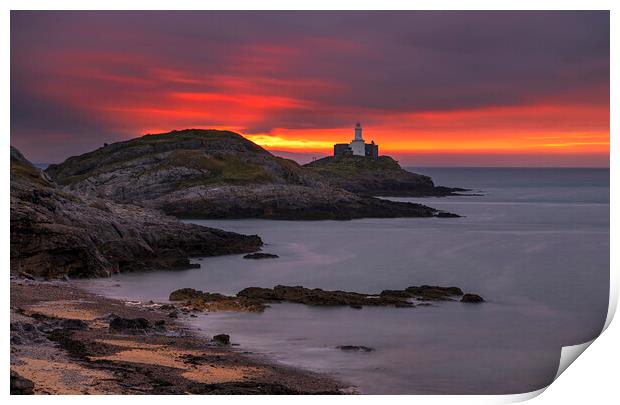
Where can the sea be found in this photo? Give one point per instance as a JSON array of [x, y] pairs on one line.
[[533, 242]]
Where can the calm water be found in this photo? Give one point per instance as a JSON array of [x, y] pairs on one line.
[[536, 246]]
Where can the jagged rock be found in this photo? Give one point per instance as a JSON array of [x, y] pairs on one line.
[[447, 215], [21, 385], [121, 324], [350, 348], [38, 332], [256, 298], [73, 324], [433, 293], [396, 293], [260, 293], [135, 325], [55, 233], [183, 294], [197, 300], [260, 255], [188, 294], [216, 174], [222, 338], [317, 296], [472, 298], [25, 332]]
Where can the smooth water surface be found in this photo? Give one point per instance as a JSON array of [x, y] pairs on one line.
[[536, 246]]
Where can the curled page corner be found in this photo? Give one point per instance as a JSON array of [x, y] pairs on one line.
[[569, 355], [613, 299], [526, 396]]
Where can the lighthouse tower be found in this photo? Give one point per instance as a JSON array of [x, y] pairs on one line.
[[357, 145], [358, 132]]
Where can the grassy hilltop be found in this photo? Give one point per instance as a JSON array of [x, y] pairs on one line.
[[380, 177], [217, 174]]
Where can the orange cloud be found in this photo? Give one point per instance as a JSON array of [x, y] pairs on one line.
[[531, 128], [245, 98], [164, 98]]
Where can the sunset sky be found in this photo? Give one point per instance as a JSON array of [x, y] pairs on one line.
[[431, 88]]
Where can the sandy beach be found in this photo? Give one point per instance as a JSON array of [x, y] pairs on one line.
[[62, 343]]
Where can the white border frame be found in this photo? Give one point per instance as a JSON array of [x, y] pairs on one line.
[[593, 378]]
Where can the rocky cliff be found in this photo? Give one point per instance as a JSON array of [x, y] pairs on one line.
[[55, 232], [216, 174], [381, 177]]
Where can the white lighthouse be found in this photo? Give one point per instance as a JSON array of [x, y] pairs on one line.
[[358, 132], [357, 145]]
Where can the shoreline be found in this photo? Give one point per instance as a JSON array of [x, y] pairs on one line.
[[62, 343]]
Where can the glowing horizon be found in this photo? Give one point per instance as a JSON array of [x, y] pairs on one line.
[[421, 83]]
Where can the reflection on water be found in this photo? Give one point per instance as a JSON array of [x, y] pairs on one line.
[[536, 246]]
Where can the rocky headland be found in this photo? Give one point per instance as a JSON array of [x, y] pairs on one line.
[[57, 233], [218, 174], [380, 177], [113, 210]]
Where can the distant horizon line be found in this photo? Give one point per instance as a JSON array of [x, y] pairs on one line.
[[448, 167]]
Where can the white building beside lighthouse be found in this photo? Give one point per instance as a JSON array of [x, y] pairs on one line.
[[357, 146]]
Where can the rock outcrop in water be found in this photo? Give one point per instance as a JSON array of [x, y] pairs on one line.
[[319, 297], [256, 299], [197, 300], [55, 233], [380, 177], [216, 174], [352, 348], [472, 298], [222, 339], [260, 255]]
